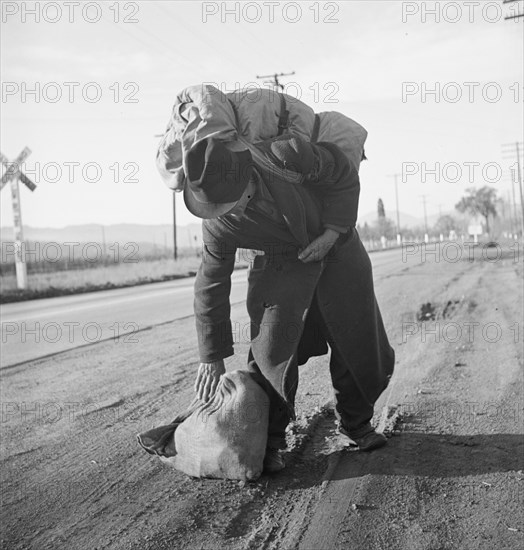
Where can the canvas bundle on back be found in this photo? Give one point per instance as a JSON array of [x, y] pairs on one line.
[[249, 116], [223, 438]]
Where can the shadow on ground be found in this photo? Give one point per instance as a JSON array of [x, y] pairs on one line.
[[436, 455]]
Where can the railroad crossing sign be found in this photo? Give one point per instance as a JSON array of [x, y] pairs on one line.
[[13, 175]]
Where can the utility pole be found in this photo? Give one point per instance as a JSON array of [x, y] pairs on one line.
[[423, 197], [510, 212], [508, 199], [13, 174], [515, 216], [275, 82], [104, 250], [175, 248], [518, 170], [519, 179], [395, 177]]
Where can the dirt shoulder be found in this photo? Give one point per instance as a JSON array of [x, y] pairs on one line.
[[73, 475], [452, 473], [452, 477]]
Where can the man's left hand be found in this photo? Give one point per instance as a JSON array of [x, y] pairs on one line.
[[316, 250]]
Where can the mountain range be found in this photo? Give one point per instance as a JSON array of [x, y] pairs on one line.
[[160, 235]]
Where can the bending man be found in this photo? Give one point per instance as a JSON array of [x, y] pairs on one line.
[[312, 287]]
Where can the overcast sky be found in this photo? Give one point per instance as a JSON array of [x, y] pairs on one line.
[[356, 57]]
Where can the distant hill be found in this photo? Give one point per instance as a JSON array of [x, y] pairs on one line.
[[160, 235], [406, 220]]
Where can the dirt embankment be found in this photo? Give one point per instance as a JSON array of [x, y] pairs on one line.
[[74, 477]]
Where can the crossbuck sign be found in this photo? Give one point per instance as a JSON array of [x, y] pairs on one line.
[[13, 174]]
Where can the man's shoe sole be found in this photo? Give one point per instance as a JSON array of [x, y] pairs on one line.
[[369, 442], [374, 441]]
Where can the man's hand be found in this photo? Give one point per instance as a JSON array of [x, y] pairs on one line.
[[207, 379], [316, 250]]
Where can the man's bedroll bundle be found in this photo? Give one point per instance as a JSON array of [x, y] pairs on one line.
[[223, 438], [248, 116]]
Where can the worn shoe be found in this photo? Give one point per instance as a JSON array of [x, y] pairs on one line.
[[273, 461], [367, 442]]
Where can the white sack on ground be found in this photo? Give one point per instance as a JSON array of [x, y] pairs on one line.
[[226, 437]]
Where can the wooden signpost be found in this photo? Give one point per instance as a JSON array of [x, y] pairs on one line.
[[13, 174]]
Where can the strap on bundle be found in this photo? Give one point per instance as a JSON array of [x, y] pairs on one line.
[[283, 119], [316, 128]]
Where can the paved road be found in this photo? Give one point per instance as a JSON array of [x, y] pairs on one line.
[[37, 328]]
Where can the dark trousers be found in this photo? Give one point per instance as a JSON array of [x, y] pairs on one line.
[[352, 409], [361, 361], [280, 413]]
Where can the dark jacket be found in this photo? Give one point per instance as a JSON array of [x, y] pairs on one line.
[[281, 288]]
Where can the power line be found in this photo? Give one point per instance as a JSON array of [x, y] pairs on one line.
[[517, 15], [164, 50], [213, 45]]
